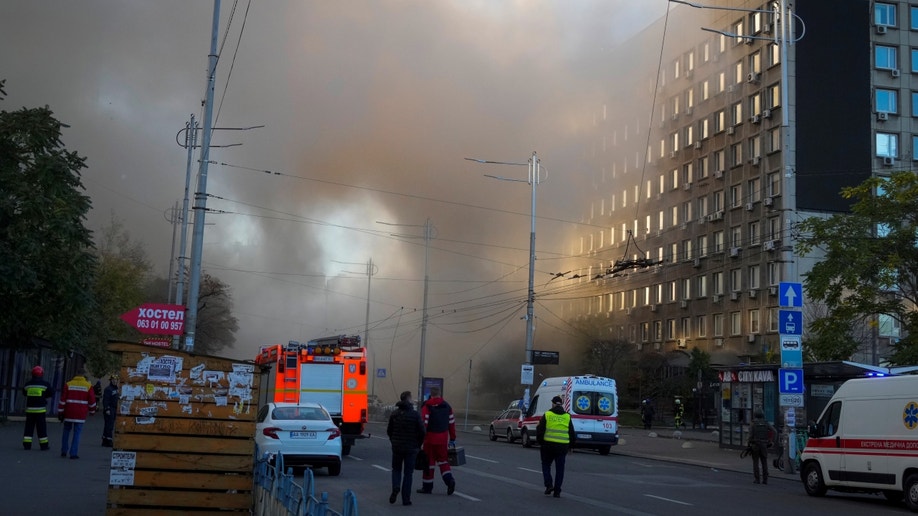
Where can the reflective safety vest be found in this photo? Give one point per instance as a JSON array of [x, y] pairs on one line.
[[37, 392], [556, 428]]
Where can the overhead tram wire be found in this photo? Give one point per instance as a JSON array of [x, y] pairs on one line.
[[229, 74]]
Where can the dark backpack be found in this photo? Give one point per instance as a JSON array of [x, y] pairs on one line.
[[760, 431]]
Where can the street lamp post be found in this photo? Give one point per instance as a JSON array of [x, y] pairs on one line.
[[427, 236], [370, 271], [534, 179]]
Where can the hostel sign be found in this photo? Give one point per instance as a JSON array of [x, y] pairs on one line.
[[157, 319]]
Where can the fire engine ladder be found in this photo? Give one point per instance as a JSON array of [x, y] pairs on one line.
[[291, 387]]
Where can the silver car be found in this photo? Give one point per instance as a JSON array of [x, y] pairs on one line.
[[302, 433]]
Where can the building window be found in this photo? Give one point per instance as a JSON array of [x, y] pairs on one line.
[[718, 325], [755, 147], [886, 58], [887, 101], [774, 53], [774, 273], [672, 291], [915, 103], [645, 332], [884, 14], [736, 196], [658, 331], [687, 173], [703, 245], [703, 167], [774, 184], [704, 128], [772, 319], [718, 241], [913, 18], [754, 189], [736, 237], [719, 200], [736, 154], [914, 60], [887, 145], [774, 96], [717, 283], [686, 288], [700, 324], [736, 280], [686, 327], [755, 104], [774, 228], [774, 139], [754, 321], [702, 206], [755, 63], [720, 121], [736, 112], [705, 89], [914, 148], [701, 282], [736, 323], [754, 233], [754, 276]]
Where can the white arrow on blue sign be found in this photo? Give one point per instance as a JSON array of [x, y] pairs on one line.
[[790, 294], [790, 322]]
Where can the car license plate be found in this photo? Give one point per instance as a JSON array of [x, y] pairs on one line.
[[584, 436], [302, 435]]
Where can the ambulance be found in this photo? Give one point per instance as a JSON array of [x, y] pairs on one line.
[[866, 440], [592, 402]]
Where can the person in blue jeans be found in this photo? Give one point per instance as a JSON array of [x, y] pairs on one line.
[[77, 401], [406, 433]]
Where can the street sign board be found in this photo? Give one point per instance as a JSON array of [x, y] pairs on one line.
[[790, 400], [790, 322], [790, 381], [526, 374], [791, 351], [790, 294], [157, 319], [380, 372], [545, 357], [158, 342]]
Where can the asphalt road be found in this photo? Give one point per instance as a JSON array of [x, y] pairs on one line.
[[502, 478]]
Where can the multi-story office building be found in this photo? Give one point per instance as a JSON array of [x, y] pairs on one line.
[[706, 162]]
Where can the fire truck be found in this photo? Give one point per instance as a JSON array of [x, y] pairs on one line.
[[331, 371]]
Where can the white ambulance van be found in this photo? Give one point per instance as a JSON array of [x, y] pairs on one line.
[[866, 440], [592, 402]]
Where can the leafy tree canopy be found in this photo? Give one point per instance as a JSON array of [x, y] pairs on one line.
[[869, 265], [46, 260]]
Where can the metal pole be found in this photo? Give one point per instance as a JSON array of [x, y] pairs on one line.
[[366, 327], [530, 298], [201, 193], [424, 316], [468, 389], [173, 220], [191, 139]]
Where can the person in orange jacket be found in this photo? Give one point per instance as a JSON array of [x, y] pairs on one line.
[[77, 401]]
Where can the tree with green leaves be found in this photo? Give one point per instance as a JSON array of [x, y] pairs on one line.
[[867, 268], [122, 276], [46, 260]]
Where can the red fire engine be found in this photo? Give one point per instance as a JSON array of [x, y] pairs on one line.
[[331, 371]]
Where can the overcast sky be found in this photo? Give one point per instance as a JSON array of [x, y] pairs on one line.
[[369, 108]]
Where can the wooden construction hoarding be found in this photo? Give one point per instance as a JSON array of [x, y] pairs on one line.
[[184, 433]]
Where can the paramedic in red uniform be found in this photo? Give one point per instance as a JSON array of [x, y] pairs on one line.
[[77, 401], [441, 432]]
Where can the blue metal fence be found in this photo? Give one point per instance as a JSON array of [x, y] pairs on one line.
[[277, 493]]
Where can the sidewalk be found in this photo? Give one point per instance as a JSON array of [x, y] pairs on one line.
[[697, 447], [41, 482]]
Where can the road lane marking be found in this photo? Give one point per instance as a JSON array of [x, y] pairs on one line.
[[609, 507], [530, 470], [642, 464], [353, 457], [377, 466], [667, 499], [481, 458], [467, 497]]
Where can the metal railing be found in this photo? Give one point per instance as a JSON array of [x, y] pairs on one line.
[[278, 494]]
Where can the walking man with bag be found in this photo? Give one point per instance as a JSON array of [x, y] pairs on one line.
[[761, 438], [406, 433], [440, 424], [556, 437]]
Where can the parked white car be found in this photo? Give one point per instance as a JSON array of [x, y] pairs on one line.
[[302, 433]]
